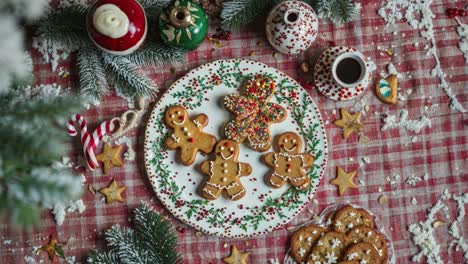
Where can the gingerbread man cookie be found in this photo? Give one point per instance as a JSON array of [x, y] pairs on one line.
[[289, 164], [254, 113], [224, 172], [187, 135]]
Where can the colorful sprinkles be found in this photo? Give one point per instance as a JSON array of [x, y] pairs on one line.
[[254, 113]]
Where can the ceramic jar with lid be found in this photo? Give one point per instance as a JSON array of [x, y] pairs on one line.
[[184, 24], [292, 27]]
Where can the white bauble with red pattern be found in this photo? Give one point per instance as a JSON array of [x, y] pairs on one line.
[[292, 27], [117, 26]]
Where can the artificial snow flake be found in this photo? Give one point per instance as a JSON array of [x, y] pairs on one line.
[[404, 122], [419, 16]]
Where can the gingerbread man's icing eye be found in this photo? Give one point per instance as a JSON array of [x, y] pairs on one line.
[[285, 140], [172, 115], [231, 149], [178, 112], [221, 148], [294, 141]]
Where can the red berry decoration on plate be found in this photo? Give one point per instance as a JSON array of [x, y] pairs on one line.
[[117, 26]]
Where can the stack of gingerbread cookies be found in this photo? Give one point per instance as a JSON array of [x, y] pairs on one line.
[[350, 238], [253, 115]]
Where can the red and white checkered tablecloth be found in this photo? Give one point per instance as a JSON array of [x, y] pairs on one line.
[[441, 150]]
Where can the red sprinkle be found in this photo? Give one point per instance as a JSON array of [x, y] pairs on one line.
[[191, 140]]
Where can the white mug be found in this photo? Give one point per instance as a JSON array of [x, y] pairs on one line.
[[357, 56]]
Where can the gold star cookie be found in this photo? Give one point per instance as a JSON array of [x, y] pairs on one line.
[[110, 157], [349, 123], [236, 257], [344, 180], [113, 192], [49, 248]]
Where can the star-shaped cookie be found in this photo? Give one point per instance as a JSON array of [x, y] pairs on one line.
[[349, 123], [113, 192], [344, 180], [110, 157], [236, 257]]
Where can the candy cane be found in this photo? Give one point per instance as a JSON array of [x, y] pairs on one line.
[[90, 142]]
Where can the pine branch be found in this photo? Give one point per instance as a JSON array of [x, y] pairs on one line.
[[339, 11], [31, 142], [109, 257], [128, 246], [129, 80], [44, 186], [152, 6], [50, 109], [153, 241], [237, 13], [93, 80], [66, 28], [156, 234], [156, 54]]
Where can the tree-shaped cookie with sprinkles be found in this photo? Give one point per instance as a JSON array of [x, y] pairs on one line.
[[187, 135], [254, 113]]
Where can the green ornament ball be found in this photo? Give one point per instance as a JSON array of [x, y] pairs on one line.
[[183, 24]]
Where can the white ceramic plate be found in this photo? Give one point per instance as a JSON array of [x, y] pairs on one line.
[[263, 208]]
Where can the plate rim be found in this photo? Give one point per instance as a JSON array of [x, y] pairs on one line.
[[207, 230]]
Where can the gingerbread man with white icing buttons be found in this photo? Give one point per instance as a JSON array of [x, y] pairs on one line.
[[187, 135], [224, 172], [289, 164]]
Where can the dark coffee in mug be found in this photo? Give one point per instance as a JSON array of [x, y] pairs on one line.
[[348, 70]]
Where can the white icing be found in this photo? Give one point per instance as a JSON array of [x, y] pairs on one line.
[[336, 243], [291, 149], [176, 139], [111, 21], [301, 252], [185, 129], [237, 194], [229, 157], [209, 193], [197, 123], [188, 134], [179, 123], [331, 257]]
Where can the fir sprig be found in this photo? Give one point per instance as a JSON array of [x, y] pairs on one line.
[[237, 13], [339, 11], [153, 240], [128, 79], [32, 142], [92, 73], [66, 30]]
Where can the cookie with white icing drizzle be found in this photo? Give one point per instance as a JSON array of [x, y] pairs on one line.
[[289, 164], [187, 134], [224, 172]]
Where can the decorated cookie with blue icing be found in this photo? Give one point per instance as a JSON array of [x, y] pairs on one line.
[[387, 89]]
